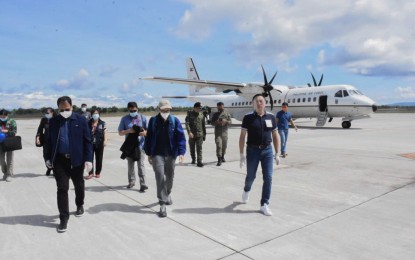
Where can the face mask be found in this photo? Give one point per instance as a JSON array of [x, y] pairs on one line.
[[66, 114], [83, 109], [165, 115], [48, 116], [95, 116], [3, 119], [134, 114]]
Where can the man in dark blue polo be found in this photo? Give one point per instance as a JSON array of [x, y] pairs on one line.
[[283, 118], [68, 152], [261, 128]]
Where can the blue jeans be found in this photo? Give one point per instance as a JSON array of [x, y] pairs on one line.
[[253, 157], [283, 136]]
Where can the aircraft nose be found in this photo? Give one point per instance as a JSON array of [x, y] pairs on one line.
[[374, 108]]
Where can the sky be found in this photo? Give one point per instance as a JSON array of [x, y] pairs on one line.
[[95, 51]]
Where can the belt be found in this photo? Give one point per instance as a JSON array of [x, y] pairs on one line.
[[65, 155], [261, 146]]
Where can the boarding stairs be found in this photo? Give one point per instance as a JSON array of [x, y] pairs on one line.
[[322, 118]]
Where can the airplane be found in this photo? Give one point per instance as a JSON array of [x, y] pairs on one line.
[[321, 102]]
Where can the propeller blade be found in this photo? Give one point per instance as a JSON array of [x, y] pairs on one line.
[[309, 85], [321, 80], [265, 76], [270, 98], [314, 80], [270, 82]]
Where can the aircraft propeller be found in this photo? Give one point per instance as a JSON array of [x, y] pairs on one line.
[[268, 87], [315, 82]]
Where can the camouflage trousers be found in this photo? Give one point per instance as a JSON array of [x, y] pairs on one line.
[[196, 143], [221, 141]]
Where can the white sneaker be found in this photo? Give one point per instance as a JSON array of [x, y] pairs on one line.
[[245, 197], [264, 209]]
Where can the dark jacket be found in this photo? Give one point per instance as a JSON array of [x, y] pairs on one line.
[[130, 146], [98, 136], [42, 130], [79, 137], [176, 136]]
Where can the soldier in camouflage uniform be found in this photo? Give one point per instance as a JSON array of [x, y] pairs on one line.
[[221, 120], [196, 129]]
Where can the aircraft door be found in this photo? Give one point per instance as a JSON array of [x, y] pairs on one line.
[[322, 103]]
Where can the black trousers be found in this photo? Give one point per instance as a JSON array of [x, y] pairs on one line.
[[64, 172], [99, 155]]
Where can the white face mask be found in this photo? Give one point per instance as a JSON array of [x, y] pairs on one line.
[[83, 109], [65, 114], [165, 115], [48, 116]]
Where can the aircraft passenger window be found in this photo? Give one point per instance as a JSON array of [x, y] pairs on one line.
[[275, 101], [279, 101], [309, 99], [250, 102], [345, 94], [299, 100], [338, 94], [239, 103], [232, 103], [314, 99], [303, 99], [293, 100]]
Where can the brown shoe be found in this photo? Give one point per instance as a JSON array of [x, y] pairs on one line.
[[97, 175]]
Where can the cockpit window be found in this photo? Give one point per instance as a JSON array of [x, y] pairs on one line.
[[338, 94], [345, 94]]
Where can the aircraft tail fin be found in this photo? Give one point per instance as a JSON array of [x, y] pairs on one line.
[[192, 74]]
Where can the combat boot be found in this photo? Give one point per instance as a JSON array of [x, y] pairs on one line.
[[219, 161]]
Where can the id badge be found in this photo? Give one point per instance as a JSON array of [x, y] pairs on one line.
[[268, 123]]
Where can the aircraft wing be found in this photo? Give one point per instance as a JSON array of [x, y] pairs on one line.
[[199, 83]]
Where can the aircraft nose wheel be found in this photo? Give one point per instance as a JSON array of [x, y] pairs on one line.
[[346, 124]]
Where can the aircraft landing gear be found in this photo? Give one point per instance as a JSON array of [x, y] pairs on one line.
[[346, 124]]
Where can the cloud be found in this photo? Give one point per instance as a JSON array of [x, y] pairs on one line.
[[405, 92], [107, 71], [367, 37], [79, 81]]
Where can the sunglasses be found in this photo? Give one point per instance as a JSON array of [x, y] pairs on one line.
[[67, 109], [133, 111]]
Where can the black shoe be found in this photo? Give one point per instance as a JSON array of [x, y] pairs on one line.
[[193, 162], [48, 172], [63, 226], [143, 188], [169, 201], [130, 185], [79, 211], [219, 161], [199, 164], [162, 212], [223, 159]]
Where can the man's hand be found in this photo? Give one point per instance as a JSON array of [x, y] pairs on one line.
[[277, 159], [242, 160], [181, 159], [88, 166], [150, 160], [49, 164], [190, 135], [204, 138]]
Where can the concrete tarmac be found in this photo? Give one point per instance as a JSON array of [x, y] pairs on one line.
[[340, 194]]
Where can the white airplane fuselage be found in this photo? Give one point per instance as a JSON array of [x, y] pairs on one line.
[[304, 102]]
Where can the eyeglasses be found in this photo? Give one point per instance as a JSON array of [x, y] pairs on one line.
[[67, 109], [133, 111]]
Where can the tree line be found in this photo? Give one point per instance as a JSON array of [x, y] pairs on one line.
[[103, 110]]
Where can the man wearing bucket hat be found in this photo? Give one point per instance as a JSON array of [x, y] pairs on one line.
[[165, 141]]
